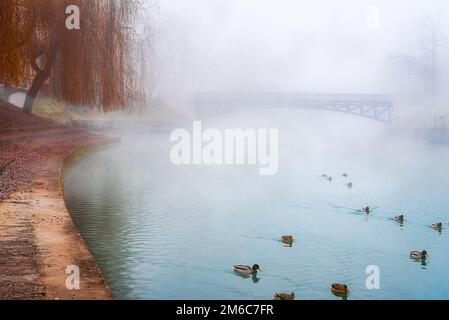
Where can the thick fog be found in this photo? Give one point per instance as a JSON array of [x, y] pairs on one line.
[[356, 46], [147, 203]]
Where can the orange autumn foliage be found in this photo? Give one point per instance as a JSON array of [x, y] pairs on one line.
[[91, 66]]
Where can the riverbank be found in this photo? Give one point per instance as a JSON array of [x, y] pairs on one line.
[[38, 239]]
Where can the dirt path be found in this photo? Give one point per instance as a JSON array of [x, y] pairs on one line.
[[38, 239]]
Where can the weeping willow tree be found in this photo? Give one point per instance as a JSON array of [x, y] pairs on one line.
[[90, 65]]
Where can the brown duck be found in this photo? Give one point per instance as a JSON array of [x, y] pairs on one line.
[[287, 239], [284, 296], [338, 288]]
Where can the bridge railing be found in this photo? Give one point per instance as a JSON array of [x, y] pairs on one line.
[[262, 97], [373, 106]]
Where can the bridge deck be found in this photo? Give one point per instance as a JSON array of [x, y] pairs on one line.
[[376, 107]]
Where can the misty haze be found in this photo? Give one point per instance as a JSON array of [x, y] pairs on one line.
[[251, 150]]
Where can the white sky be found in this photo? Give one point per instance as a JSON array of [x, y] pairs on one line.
[[291, 45]]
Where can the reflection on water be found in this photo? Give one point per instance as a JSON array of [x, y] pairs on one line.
[[253, 276], [160, 231]]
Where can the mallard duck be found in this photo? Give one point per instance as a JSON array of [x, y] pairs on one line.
[[338, 288], [329, 179], [437, 226], [399, 218], [418, 255], [245, 269], [349, 185], [345, 175], [287, 239], [284, 296], [367, 210]]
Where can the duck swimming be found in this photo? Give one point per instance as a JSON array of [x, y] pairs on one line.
[[345, 175], [399, 218], [245, 269], [284, 296], [367, 210], [418, 255], [339, 289], [329, 179], [287, 239], [324, 175], [437, 226], [349, 185]]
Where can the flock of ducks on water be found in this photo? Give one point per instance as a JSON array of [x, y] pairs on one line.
[[337, 289]]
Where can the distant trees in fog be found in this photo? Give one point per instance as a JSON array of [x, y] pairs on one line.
[[424, 58]]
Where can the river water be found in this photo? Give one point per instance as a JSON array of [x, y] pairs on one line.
[[160, 231]]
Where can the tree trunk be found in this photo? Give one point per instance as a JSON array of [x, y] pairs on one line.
[[38, 81], [41, 75]]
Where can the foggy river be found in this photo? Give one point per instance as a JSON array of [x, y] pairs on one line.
[[160, 231]]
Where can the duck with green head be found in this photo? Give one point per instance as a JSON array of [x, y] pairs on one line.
[[437, 226], [419, 255], [245, 269], [367, 210]]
